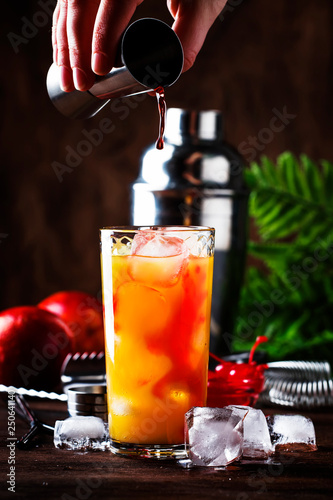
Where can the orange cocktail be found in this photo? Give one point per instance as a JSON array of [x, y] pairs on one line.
[[157, 296]]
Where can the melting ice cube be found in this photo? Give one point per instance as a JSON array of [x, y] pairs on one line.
[[292, 433], [214, 436], [256, 439], [119, 406], [81, 433], [163, 258], [153, 244]]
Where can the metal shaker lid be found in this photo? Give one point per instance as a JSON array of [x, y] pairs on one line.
[[197, 125]]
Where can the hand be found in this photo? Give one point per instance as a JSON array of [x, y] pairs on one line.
[[86, 34]]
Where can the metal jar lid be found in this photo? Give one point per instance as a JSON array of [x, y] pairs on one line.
[[89, 400]]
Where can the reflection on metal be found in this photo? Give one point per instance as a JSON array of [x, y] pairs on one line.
[[152, 56], [198, 180], [145, 208], [298, 384]]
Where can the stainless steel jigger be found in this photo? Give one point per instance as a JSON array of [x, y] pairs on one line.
[[152, 56]]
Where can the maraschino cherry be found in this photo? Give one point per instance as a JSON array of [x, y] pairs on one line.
[[236, 383]]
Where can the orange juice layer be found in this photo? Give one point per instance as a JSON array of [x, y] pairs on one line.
[[157, 353]]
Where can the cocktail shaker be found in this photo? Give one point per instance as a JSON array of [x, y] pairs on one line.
[[197, 179], [152, 57]]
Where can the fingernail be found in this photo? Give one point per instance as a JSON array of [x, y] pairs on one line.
[[80, 79], [66, 79], [100, 64]]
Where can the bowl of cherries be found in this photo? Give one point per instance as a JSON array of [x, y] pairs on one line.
[[236, 383]]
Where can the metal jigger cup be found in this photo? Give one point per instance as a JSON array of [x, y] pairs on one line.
[[152, 57]]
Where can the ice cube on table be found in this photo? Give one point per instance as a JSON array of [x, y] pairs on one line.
[[256, 438], [214, 436], [292, 433], [158, 260], [81, 433]]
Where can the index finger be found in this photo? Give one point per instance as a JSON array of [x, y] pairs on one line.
[[111, 21], [54, 32], [80, 24]]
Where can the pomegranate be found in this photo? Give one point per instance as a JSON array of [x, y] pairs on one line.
[[33, 345], [83, 313]]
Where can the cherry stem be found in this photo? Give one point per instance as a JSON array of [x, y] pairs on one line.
[[258, 341], [216, 358]]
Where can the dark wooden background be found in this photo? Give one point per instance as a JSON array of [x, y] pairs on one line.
[[259, 56]]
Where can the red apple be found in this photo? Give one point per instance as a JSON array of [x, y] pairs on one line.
[[33, 346], [83, 313]]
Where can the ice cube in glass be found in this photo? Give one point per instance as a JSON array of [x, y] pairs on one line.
[[148, 248]]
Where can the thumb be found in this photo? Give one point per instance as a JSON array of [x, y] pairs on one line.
[[192, 23]]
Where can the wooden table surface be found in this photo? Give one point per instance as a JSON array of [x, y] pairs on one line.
[[45, 472]]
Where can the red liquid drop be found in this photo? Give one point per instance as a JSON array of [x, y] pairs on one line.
[[161, 110]]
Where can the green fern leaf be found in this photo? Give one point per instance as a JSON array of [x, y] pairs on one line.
[[277, 210], [292, 206], [314, 179], [266, 251], [285, 225], [288, 167], [269, 171], [261, 204], [269, 211], [328, 181]]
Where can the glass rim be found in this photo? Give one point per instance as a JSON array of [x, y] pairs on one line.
[[168, 228]]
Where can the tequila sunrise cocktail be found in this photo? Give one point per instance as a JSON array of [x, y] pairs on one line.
[[157, 285]]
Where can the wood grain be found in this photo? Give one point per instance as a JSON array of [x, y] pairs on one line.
[[48, 473], [261, 56]]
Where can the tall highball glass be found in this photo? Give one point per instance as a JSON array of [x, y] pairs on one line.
[[157, 288]]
